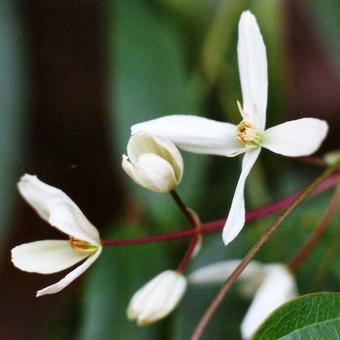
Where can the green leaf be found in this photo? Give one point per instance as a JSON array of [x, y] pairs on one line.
[[116, 276], [308, 314], [327, 330]]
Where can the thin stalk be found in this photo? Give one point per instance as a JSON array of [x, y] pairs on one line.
[[185, 210], [253, 251], [313, 240], [217, 225]]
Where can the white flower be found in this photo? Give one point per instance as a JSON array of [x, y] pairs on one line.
[[153, 162], [271, 285], [52, 256], [277, 288], [299, 137], [157, 298]]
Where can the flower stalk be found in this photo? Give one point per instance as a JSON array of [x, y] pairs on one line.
[[214, 226]]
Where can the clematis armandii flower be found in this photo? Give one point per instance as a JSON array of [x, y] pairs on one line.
[[52, 256], [270, 285], [299, 137]]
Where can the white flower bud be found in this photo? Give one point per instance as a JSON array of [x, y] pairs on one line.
[[157, 298], [333, 157], [153, 162]]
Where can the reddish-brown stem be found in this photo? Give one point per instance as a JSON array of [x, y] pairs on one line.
[[252, 252], [217, 225], [186, 212], [188, 254], [313, 240], [195, 222]]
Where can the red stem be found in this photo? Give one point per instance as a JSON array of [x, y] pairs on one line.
[[217, 225]]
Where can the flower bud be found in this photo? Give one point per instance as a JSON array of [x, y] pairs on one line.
[[153, 162], [157, 298], [333, 157]]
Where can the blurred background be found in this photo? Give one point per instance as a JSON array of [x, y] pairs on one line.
[[77, 74]]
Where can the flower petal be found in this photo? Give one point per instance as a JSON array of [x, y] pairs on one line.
[[45, 257], [54, 206], [67, 217], [277, 288], [38, 194], [151, 172], [236, 216], [252, 63], [70, 277], [218, 272], [299, 137], [195, 134]]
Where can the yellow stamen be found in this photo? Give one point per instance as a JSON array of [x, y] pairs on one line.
[[247, 134], [82, 246]]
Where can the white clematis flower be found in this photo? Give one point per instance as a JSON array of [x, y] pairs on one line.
[[153, 162], [156, 299], [271, 285], [299, 137], [52, 256]]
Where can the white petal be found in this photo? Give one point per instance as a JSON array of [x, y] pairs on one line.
[[195, 134], [299, 137], [54, 206], [157, 298], [70, 277], [252, 63], [277, 288], [67, 217], [152, 172], [39, 194], [45, 257], [218, 272], [236, 216]]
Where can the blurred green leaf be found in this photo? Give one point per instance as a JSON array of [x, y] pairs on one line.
[[149, 80], [117, 275], [304, 318]]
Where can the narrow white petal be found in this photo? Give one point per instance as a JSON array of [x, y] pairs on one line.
[[299, 137], [236, 216], [277, 288], [38, 194], [218, 272], [45, 257], [252, 63], [67, 217], [195, 134], [70, 277], [54, 206]]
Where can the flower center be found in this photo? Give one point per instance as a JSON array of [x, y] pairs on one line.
[[82, 246], [247, 134]]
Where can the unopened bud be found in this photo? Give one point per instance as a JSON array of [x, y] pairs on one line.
[[332, 158], [157, 298], [153, 162]]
